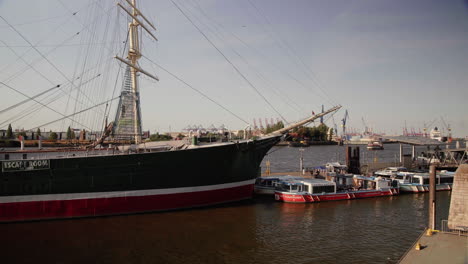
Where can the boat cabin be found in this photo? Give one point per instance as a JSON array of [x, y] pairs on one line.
[[373, 183], [343, 181], [424, 179], [336, 167], [268, 184], [311, 186], [391, 171]]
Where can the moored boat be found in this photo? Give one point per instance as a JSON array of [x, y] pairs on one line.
[[391, 171], [268, 184], [375, 145], [419, 182], [318, 190]]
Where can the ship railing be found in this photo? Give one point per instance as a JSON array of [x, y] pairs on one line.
[[457, 230]]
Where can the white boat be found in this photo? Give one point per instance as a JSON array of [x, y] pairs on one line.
[[375, 145], [336, 167], [390, 171], [435, 134], [268, 184], [419, 182]]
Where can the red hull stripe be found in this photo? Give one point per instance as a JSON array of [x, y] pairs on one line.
[[50, 209]]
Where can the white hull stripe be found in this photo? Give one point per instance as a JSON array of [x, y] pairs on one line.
[[97, 195]]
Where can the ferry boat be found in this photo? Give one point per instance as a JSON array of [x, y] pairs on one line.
[[268, 184], [419, 182], [318, 190], [100, 180], [375, 145]]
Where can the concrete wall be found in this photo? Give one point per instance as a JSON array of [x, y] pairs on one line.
[[458, 215]]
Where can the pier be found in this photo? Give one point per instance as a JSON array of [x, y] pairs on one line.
[[449, 244], [438, 248]]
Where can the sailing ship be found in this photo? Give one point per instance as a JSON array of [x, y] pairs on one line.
[[100, 179]]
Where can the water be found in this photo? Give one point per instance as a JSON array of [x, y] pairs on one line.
[[287, 158], [377, 230]]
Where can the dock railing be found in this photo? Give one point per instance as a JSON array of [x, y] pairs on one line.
[[457, 230]]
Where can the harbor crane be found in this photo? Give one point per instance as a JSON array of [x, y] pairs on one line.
[[428, 125], [343, 123], [321, 118], [449, 130], [366, 128]]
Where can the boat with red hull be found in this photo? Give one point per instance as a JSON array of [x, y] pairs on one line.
[[318, 190]]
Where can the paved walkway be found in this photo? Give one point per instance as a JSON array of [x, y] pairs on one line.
[[439, 248]]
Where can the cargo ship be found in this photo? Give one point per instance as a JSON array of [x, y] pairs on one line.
[[100, 179]]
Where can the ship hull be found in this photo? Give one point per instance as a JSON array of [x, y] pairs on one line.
[[132, 183]]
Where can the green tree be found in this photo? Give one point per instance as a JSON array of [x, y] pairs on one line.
[[70, 133], [53, 136], [158, 137], [38, 133], [274, 127], [9, 133]]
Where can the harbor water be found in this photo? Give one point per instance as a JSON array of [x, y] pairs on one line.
[[375, 230]]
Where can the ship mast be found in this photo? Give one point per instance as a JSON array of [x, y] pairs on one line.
[[134, 54]]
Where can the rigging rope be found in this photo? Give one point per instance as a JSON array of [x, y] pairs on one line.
[[286, 45], [282, 95], [196, 90], [40, 53], [46, 106], [229, 61], [79, 112], [27, 100]]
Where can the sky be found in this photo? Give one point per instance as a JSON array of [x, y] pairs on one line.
[[390, 63]]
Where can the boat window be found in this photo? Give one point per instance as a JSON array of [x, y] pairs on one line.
[[415, 180], [286, 187], [7, 156], [400, 177], [425, 181], [446, 180], [305, 188], [321, 189]]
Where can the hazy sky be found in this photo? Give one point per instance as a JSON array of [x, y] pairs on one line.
[[388, 62]]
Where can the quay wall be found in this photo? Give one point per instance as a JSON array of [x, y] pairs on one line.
[[458, 214]]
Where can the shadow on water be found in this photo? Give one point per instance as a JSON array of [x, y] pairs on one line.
[[376, 230]]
